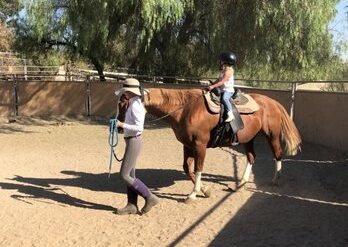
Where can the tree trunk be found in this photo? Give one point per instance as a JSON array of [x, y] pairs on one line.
[[99, 67]]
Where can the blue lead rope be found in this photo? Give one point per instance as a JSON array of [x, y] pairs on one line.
[[113, 142]]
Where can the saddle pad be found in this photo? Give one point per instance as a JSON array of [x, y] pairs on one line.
[[249, 107]]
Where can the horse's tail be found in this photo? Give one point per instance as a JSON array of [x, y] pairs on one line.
[[290, 134]]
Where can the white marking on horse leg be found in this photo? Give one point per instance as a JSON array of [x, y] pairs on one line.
[[278, 165], [277, 170], [197, 186], [247, 173]]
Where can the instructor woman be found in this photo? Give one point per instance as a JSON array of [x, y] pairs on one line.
[[133, 127]]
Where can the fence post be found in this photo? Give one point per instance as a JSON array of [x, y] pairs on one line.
[[88, 96], [15, 95], [25, 70], [293, 92]]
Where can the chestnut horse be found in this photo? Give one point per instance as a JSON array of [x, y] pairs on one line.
[[192, 123]]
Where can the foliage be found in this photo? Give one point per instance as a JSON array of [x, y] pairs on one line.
[[7, 10], [341, 70], [6, 36], [272, 39], [94, 28]]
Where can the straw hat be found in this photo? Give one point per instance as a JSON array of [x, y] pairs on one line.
[[129, 85]]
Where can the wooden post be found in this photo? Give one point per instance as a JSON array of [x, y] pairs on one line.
[[88, 96], [25, 70], [15, 95], [293, 92]]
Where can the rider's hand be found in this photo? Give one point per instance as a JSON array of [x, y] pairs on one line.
[[209, 88]]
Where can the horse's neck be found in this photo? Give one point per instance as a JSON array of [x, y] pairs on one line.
[[159, 105]]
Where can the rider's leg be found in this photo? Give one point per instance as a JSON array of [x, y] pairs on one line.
[[226, 96]]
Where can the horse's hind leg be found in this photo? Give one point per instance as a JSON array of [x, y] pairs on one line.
[[274, 142], [250, 153]]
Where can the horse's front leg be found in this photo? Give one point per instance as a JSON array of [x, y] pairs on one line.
[[199, 163], [189, 157], [188, 160]]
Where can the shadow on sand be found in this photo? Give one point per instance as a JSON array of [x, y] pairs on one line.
[[50, 188], [308, 208]]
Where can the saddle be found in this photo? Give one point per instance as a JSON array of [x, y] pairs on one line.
[[244, 102], [226, 133]]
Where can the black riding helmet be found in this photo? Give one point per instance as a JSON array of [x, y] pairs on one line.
[[227, 58]]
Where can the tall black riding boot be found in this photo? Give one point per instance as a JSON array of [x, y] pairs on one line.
[[150, 199], [131, 207]]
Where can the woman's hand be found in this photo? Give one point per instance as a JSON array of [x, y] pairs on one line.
[[120, 124]]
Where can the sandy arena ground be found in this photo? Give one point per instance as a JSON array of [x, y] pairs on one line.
[[54, 191]]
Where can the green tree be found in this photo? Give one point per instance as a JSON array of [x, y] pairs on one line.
[[7, 10], [6, 36], [94, 29], [279, 39], [272, 39]]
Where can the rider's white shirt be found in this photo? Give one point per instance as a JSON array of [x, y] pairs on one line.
[[228, 86]]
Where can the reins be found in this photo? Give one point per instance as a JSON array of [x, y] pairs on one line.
[[179, 108], [112, 143]]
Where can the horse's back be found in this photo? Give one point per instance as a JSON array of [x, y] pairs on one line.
[[265, 102]]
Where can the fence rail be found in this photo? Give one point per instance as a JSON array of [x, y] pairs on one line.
[[145, 79], [321, 117], [44, 71]]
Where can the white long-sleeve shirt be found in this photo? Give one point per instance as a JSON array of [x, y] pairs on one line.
[[135, 117]]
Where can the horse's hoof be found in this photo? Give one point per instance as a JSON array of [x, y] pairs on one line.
[[238, 187], [207, 192], [190, 200], [275, 183], [243, 187]]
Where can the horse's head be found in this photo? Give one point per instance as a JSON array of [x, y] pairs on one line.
[[122, 106]]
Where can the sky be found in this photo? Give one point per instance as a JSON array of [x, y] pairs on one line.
[[339, 26]]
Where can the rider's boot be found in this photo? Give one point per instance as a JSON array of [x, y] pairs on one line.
[[230, 116]]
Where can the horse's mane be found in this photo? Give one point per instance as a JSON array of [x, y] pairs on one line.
[[172, 97]]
